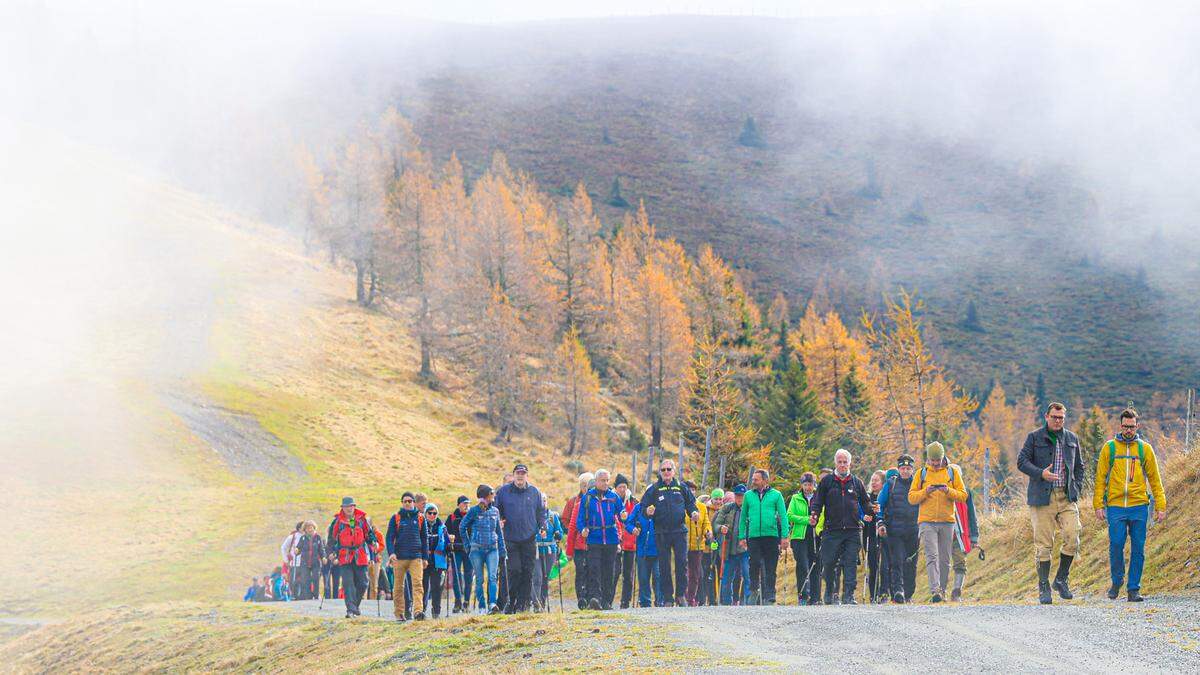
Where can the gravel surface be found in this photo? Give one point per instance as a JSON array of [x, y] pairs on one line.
[[1162, 635], [238, 439]]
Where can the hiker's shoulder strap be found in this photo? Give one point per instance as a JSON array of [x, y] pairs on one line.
[[950, 472]]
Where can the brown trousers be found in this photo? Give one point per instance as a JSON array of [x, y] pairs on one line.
[[416, 571], [1060, 515]]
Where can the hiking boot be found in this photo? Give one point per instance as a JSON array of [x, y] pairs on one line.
[[813, 602], [1043, 568], [419, 616], [582, 604], [495, 609], [1114, 591], [937, 597], [848, 600], [829, 598], [594, 604], [457, 608], [955, 595], [1134, 596], [1060, 579], [482, 611], [401, 619], [898, 598]]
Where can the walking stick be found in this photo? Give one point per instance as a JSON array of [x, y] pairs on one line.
[[560, 599]]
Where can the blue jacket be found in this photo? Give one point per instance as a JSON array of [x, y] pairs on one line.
[[646, 548], [554, 533], [894, 510], [435, 534], [598, 513], [521, 510], [480, 529], [405, 536]]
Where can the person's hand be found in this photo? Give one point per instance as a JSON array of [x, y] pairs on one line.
[[881, 530], [451, 538], [637, 531], [743, 542], [583, 532], [650, 510], [783, 545], [812, 520], [930, 489], [1100, 515], [695, 515], [541, 533], [392, 559], [868, 518], [724, 529], [424, 563], [1048, 475], [1160, 516], [875, 507]]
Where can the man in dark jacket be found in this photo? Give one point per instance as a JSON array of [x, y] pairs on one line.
[[407, 547], [460, 565], [524, 515], [843, 499], [1050, 457], [898, 528], [668, 502]]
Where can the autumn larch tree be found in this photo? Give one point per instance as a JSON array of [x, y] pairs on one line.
[[577, 403]]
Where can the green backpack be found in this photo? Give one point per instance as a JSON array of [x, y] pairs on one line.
[[1112, 459]]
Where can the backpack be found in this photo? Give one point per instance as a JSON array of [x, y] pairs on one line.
[[949, 472], [1112, 459]]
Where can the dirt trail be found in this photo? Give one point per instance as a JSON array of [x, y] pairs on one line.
[[238, 439]]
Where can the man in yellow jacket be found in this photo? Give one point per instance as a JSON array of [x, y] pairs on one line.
[[1126, 476], [935, 488]]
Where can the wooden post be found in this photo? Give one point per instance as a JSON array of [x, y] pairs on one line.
[[707, 449], [679, 469], [987, 481], [633, 487], [650, 467], [721, 474]]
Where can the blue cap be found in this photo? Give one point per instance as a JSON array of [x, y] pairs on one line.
[[739, 489]]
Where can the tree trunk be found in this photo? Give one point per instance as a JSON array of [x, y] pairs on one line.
[[360, 291]]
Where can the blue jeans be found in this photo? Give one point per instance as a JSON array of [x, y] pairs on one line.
[[647, 569], [490, 558], [462, 577], [1127, 521], [736, 567]]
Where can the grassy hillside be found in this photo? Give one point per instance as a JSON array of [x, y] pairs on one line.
[[659, 104], [231, 313]]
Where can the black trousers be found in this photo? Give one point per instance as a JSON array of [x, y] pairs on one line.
[[902, 561], [354, 583], [764, 561], [333, 578], [431, 581], [839, 552], [817, 573], [800, 550], [581, 577], [672, 545], [877, 572], [601, 565], [522, 556], [308, 582], [626, 570]]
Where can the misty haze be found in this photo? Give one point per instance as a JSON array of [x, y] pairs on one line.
[[257, 263]]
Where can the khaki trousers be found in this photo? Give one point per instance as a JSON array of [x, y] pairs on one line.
[[416, 571], [1060, 515]]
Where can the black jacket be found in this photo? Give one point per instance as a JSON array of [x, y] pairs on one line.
[[899, 516], [452, 522], [842, 501], [312, 550], [673, 504], [1038, 453]]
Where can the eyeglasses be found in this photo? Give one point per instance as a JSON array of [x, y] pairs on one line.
[[406, 501], [432, 511], [667, 470], [1058, 417], [1128, 426]]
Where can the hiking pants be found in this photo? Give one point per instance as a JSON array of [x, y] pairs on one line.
[[485, 566], [601, 565], [308, 582], [764, 562], [839, 553], [818, 571], [1060, 515], [694, 574], [400, 602], [800, 553], [737, 568], [705, 595], [354, 585], [902, 559], [672, 546], [1127, 522], [581, 577], [333, 577], [462, 577], [648, 579], [521, 559], [547, 556], [876, 570], [627, 562], [373, 579], [432, 582], [936, 539]]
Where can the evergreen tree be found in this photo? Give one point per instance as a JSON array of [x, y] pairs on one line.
[[605, 138], [1093, 434], [790, 420], [750, 136], [971, 322], [784, 358], [614, 195], [1039, 400], [637, 440]]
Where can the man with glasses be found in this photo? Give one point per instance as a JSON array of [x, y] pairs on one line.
[[1127, 477], [407, 547], [668, 502], [1050, 457]]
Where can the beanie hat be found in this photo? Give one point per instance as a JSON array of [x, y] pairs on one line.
[[621, 480], [935, 452], [718, 494]]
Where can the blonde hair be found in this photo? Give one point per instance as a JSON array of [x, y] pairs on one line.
[[585, 478]]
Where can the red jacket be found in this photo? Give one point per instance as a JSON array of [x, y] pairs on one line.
[[628, 539], [575, 540], [351, 542]]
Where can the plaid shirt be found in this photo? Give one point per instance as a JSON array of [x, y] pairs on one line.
[[1061, 481]]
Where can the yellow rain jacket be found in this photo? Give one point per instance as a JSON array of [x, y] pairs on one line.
[[939, 506], [697, 529], [1125, 483]]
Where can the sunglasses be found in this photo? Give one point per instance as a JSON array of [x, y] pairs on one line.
[[406, 501], [667, 470], [434, 512]]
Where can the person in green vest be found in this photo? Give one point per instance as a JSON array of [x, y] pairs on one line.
[[764, 526], [802, 535]]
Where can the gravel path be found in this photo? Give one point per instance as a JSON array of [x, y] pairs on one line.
[[238, 439], [1159, 636]]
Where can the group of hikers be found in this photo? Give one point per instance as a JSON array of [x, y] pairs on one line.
[[672, 548]]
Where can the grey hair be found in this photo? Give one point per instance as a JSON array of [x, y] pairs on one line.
[[603, 472], [586, 477], [843, 451]]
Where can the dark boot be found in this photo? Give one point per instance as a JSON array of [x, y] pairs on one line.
[[1134, 595], [1114, 591], [1060, 579], [1043, 569], [828, 598]]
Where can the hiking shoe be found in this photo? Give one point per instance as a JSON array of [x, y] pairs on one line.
[[898, 598], [848, 600], [593, 604], [828, 599], [937, 597], [1134, 596], [813, 602], [1114, 591], [494, 609], [955, 595], [401, 619], [419, 616], [1044, 596], [1064, 591], [482, 611]]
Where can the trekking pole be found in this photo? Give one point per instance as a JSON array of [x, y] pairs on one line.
[[508, 601], [560, 599]]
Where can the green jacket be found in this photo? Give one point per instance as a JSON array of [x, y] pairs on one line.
[[764, 516], [729, 515], [798, 515]]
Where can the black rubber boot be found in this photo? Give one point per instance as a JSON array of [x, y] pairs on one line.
[[1114, 591], [1060, 579], [1134, 595], [1043, 569]]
